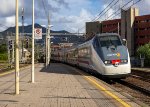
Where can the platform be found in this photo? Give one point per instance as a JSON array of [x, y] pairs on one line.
[[59, 85]]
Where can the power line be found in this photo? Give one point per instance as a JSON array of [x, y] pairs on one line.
[[44, 7], [4, 26], [108, 9], [135, 3], [123, 7], [126, 9], [105, 10], [119, 9], [112, 15]]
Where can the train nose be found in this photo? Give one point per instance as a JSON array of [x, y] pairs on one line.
[[116, 64]]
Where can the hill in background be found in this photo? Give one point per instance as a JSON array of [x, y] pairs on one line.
[[28, 29]]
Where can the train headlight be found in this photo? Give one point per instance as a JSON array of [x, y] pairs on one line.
[[107, 62], [124, 61]]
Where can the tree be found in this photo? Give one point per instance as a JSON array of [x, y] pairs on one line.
[[3, 52], [3, 48], [144, 51]]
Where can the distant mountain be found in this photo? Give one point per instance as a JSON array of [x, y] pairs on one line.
[[56, 38], [28, 29]]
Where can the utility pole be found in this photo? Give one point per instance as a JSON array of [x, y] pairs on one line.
[[8, 50], [13, 51], [22, 34], [118, 28], [32, 72], [46, 62], [17, 52], [48, 41]]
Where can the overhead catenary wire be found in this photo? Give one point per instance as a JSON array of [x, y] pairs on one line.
[[119, 9], [123, 7], [104, 11], [112, 15], [44, 7], [126, 9], [108, 9], [3, 25], [135, 3]]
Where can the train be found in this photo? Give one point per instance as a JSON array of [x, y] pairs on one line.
[[104, 54]]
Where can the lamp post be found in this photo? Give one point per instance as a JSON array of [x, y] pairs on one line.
[[22, 56], [48, 44], [17, 52], [32, 72]]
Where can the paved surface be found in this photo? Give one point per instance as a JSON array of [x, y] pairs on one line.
[[58, 86], [141, 69]]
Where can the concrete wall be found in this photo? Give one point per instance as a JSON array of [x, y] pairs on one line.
[[127, 28]]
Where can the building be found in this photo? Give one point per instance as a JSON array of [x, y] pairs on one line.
[[142, 30], [132, 27], [92, 28], [26, 56], [111, 26], [127, 28]]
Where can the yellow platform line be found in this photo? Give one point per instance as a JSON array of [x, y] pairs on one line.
[[93, 81], [8, 72], [11, 71]]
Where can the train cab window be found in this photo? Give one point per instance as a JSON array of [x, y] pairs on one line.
[[96, 43], [106, 41]]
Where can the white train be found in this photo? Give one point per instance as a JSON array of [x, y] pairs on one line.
[[104, 53]]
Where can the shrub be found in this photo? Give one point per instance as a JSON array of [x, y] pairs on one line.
[[3, 56], [144, 51]]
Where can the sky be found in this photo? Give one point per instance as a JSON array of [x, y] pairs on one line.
[[69, 15]]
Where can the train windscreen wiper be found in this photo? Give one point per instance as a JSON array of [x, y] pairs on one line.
[[113, 43]]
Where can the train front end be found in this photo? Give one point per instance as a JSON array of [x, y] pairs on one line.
[[114, 56]]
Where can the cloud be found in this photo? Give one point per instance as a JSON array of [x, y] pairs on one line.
[[8, 22], [7, 8], [61, 2], [113, 12], [65, 14], [143, 7], [73, 22], [43, 25]]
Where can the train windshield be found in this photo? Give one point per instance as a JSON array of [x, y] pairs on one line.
[[106, 41]]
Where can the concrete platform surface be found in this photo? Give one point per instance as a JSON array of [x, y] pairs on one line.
[[59, 85]]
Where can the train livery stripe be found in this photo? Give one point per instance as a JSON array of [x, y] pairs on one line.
[[85, 62], [93, 81]]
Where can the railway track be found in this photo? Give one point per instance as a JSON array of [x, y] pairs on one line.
[[137, 86], [134, 87], [139, 82], [140, 77]]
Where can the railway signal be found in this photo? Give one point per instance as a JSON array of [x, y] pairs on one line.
[[27, 43], [10, 44]]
